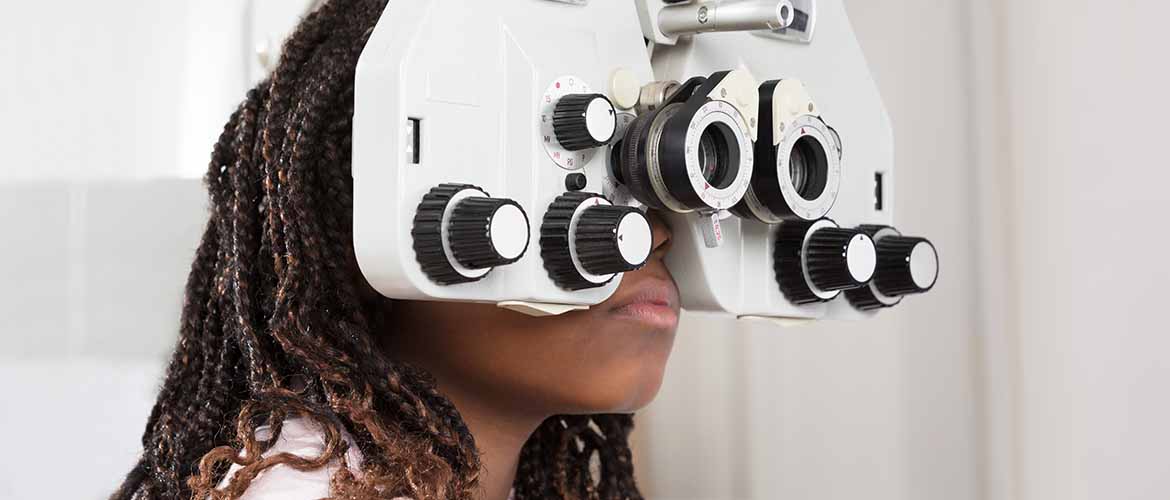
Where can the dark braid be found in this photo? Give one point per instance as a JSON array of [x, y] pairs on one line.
[[277, 322]]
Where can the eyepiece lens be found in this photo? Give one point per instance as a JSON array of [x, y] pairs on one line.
[[717, 160], [808, 167]]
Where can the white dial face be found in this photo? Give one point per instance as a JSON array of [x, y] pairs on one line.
[[600, 120], [725, 113], [924, 265], [509, 231], [568, 160], [861, 256], [635, 238]]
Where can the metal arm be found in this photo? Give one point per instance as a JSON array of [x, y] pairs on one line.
[[709, 16]]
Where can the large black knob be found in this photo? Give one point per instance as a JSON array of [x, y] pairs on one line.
[[905, 265], [461, 233], [815, 261], [839, 259], [487, 232], [584, 121], [612, 239], [585, 241]]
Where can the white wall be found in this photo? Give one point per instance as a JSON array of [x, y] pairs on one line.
[[107, 114], [883, 409], [1082, 88]]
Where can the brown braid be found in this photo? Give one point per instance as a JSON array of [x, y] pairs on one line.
[[277, 321]]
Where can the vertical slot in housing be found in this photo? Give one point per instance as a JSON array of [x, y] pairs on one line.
[[414, 140], [878, 191]]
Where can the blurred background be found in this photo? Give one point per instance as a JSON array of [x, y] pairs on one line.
[[1027, 135]]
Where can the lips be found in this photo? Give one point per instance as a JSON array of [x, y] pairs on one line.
[[652, 301]]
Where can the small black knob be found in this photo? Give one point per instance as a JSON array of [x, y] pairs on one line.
[[612, 239], [839, 259], [487, 232], [576, 181], [584, 121], [905, 265]]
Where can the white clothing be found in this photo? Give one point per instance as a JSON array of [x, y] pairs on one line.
[[301, 437]]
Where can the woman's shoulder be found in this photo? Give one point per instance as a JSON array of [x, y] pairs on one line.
[[304, 438]]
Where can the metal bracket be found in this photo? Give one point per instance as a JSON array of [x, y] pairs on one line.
[[803, 24], [664, 22]]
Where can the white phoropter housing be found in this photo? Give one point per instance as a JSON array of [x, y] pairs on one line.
[[505, 152]]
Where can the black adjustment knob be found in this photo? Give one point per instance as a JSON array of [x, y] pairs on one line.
[[868, 298], [585, 241], [789, 264], [576, 181], [481, 233], [905, 265], [815, 260], [584, 121], [487, 232], [839, 259], [612, 239]]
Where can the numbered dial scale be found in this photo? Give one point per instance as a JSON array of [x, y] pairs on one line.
[[574, 122]]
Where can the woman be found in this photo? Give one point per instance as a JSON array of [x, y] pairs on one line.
[[292, 378]]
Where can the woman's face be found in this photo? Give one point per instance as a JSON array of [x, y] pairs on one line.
[[607, 359]]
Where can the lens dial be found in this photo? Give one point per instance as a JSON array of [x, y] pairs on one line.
[[461, 233], [684, 157], [798, 159], [586, 241], [815, 261], [905, 266]]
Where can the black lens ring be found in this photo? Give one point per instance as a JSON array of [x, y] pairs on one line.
[[634, 145], [673, 156]]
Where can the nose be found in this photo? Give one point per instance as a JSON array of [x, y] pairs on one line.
[[661, 235]]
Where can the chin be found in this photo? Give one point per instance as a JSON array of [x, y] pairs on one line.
[[621, 385]]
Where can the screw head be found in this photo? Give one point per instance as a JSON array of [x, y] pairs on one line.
[[703, 15]]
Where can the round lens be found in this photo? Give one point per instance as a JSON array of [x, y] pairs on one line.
[[808, 167], [717, 162]]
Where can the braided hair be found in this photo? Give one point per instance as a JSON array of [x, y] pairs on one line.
[[278, 323]]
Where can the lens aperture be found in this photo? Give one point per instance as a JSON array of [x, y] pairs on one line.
[[717, 159], [808, 166]]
